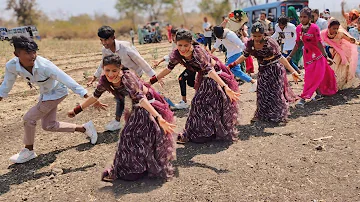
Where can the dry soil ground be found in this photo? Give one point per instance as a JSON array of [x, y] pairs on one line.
[[267, 163]]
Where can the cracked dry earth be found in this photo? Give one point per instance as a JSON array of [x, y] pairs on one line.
[[315, 157]]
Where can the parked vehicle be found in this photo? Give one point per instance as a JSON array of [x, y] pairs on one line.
[[4, 33], [273, 10], [152, 32], [29, 31]]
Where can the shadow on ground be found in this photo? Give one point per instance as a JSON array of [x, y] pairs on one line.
[[181, 113], [20, 173], [311, 109], [184, 159], [341, 98]]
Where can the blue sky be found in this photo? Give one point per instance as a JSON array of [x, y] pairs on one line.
[[66, 8]]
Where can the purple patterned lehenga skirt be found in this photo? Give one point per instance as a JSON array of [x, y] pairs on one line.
[[212, 114], [273, 93], [144, 148]]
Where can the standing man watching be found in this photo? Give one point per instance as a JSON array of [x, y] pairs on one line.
[[207, 32]]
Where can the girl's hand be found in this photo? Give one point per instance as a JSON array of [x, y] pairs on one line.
[[100, 106], [234, 96], [296, 77], [155, 63], [166, 126], [288, 58], [71, 114]]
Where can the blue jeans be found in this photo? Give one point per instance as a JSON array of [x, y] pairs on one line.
[[237, 69], [287, 52], [327, 50], [120, 105]]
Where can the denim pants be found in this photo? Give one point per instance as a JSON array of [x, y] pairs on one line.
[[287, 52], [237, 69], [120, 105]]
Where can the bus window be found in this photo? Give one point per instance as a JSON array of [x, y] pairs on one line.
[[273, 14], [255, 16], [19, 30]]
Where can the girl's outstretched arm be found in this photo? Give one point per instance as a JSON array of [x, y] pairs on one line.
[[88, 102], [167, 127]]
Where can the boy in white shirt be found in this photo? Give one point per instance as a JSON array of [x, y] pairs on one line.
[[234, 47], [53, 86], [207, 32], [130, 58], [285, 33]]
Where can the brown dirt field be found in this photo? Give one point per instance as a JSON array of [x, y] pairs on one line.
[[267, 163]]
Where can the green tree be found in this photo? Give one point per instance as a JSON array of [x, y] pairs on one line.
[[129, 8], [215, 8], [155, 8], [25, 11]]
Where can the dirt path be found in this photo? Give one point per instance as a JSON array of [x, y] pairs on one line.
[[268, 163]]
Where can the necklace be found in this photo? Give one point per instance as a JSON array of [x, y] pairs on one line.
[[331, 36], [306, 26], [303, 28]]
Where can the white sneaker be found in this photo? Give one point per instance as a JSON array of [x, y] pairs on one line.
[[23, 156], [113, 125], [253, 87], [91, 131], [181, 105]]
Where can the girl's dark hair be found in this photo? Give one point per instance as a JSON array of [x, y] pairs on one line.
[[218, 32], [106, 32], [307, 11], [283, 20], [183, 34], [334, 22], [24, 43], [112, 60], [257, 28]]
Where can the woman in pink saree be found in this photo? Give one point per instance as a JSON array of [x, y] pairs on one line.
[[344, 53], [319, 76]]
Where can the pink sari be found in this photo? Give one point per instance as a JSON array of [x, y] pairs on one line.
[[318, 73], [346, 50]]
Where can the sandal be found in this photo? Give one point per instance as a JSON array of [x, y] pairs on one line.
[[300, 104], [182, 139], [318, 97], [107, 176]]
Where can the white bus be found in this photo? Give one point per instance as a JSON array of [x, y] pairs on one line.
[[29, 31], [4, 33]]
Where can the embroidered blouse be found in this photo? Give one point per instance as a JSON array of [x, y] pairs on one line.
[[271, 49], [130, 85], [200, 61]]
